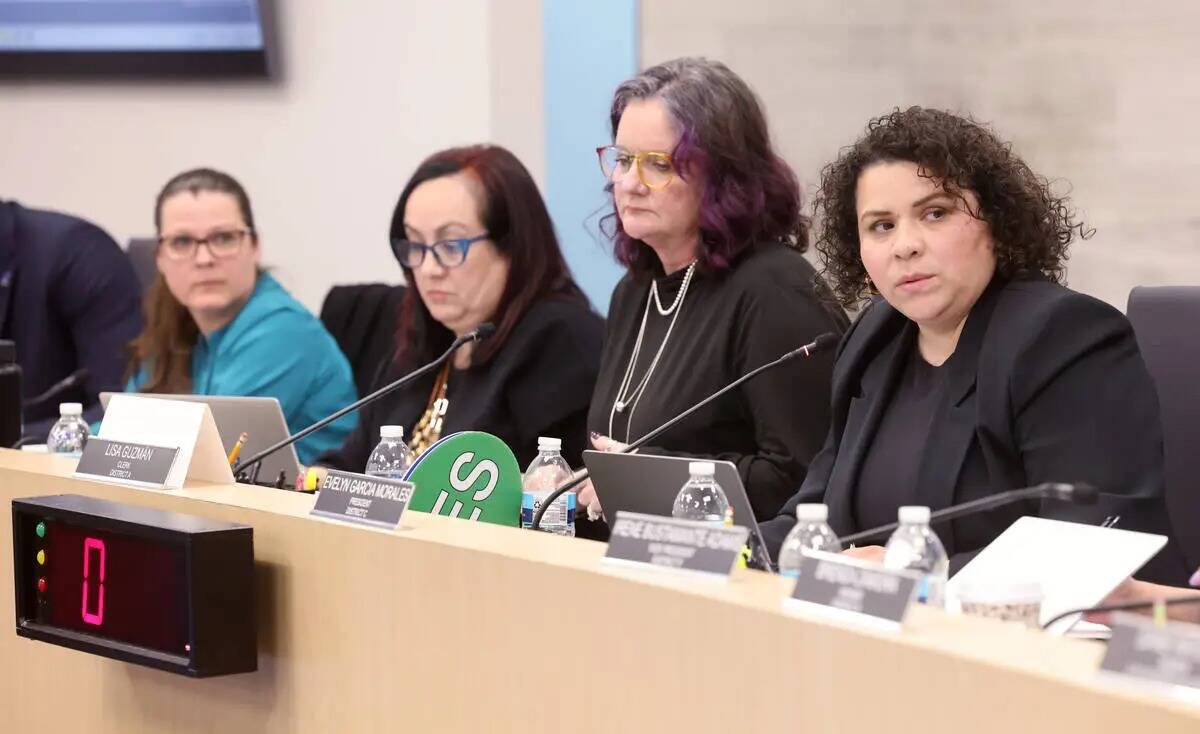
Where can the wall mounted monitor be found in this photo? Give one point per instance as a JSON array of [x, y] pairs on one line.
[[137, 38]]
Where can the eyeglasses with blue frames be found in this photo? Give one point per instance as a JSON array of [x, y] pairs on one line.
[[448, 253]]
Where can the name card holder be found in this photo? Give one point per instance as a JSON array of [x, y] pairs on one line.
[[138, 464], [362, 500], [1164, 659], [853, 591], [652, 541], [186, 427]]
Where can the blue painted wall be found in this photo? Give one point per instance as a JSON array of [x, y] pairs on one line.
[[589, 47]]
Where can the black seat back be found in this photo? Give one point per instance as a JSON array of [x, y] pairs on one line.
[[362, 318], [1166, 321]]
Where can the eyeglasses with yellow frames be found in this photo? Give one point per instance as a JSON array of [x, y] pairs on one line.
[[654, 168]]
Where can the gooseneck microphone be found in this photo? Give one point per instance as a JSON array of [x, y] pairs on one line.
[[69, 382], [479, 333], [821, 343], [1080, 494]]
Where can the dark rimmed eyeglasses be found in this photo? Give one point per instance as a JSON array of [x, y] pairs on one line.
[[222, 243], [447, 253]]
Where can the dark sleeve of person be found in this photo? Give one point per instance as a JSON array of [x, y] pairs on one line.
[[775, 530], [812, 491], [1086, 410], [552, 382], [1084, 405], [788, 406], [98, 294], [352, 455]]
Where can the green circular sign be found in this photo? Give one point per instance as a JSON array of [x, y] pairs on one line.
[[470, 475]]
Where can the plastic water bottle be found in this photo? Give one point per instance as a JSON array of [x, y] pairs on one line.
[[811, 533], [545, 473], [916, 547], [70, 434], [701, 498], [392, 457]]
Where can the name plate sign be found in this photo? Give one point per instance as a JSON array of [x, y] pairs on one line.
[[683, 545], [848, 586], [1167, 655], [125, 462], [357, 498]]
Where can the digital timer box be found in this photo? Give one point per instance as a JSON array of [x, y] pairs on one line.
[[160, 589]]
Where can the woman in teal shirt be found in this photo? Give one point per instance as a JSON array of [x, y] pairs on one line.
[[217, 324]]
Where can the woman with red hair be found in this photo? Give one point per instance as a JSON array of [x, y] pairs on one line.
[[476, 244]]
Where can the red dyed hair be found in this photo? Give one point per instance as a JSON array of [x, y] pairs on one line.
[[518, 224]]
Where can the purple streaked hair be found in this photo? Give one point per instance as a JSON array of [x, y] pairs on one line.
[[751, 194]]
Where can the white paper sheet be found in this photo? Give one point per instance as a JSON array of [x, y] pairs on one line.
[[1076, 565]]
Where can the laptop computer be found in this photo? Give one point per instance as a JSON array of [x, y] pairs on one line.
[[648, 484], [262, 420]]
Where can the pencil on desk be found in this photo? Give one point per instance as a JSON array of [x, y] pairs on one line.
[[237, 448]]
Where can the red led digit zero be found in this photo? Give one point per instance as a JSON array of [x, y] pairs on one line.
[[89, 544]]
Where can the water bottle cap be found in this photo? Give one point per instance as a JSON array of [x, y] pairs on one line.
[[391, 431], [701, 468], [70, 408], [8, 351], [547, 443], [812, 513], [914, 515]]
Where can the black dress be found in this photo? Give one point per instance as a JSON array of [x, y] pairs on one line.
[[727, 324], [538, 384], [889, 479]]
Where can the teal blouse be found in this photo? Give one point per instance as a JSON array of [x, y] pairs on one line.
[[276, 348]]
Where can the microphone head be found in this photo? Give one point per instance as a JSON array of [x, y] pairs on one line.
[[1080, 493], [483, 331], [823, 342]]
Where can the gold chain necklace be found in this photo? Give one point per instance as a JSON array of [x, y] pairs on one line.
[[428, 429]]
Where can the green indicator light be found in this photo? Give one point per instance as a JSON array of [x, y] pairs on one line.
[[41, 529]]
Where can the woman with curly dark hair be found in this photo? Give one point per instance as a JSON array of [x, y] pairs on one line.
[[708, 221], [971, 370]]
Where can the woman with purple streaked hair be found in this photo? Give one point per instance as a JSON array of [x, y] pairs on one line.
[[707, 219]]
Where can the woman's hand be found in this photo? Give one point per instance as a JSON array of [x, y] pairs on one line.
[[872, 553], [1132, 590], [585, 493], [585, 497], [604, 443]]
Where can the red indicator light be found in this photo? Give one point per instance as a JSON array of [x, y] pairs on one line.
[[42, 585]]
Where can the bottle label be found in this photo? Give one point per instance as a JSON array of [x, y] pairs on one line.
[[923, 588], [531, 502], [930, 589]]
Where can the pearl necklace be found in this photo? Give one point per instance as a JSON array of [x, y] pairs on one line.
[[678, 296], [627, 399]]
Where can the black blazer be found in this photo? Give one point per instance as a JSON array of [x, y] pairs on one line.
[[538, 384], [1046, 385]]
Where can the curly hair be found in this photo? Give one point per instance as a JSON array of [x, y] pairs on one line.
[[750, 196], [1031, 227]]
